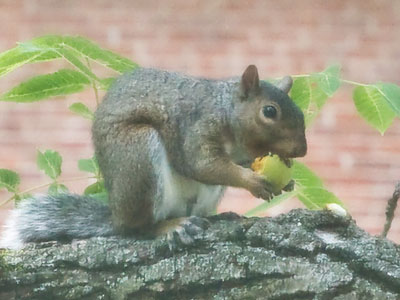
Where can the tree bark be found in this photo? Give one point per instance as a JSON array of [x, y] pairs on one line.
[[300, 255]]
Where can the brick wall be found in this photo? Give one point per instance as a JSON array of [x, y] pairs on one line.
[[219, 38]]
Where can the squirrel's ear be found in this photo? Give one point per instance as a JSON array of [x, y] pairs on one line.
[[250, 81], [285, 84]]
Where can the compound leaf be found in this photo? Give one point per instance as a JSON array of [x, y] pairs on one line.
[[60, 83], [9, 180], [50, 162], [372, 105], [81, 110], [57, 188], [89, 50], [391, 93], [23, 54], [89, 165], [328, 80]]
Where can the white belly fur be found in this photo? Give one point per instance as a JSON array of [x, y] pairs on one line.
[[180, 192]]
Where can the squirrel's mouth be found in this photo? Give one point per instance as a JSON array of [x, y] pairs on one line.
[[246, 163], [287, 160]]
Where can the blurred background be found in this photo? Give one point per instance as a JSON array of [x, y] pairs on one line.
[[219, 38]]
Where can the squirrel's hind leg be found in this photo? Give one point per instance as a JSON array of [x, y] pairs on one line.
[[143, 189], [129, 169], [147, 196]]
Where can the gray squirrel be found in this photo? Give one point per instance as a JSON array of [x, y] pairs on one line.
[[167, 145]]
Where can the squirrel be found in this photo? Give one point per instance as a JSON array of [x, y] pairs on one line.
[[167, 145]]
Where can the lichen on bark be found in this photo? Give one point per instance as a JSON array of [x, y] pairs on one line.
[[300, 255]]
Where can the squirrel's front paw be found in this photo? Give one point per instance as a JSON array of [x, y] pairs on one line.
[[260, 187], [184, 233]]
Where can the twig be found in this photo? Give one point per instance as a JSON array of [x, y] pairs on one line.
[[390, 208], [45, 185], [96, 92]]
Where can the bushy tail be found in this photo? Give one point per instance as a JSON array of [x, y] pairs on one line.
[[59, 217]]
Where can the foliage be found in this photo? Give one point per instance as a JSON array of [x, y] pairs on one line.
[[378, 104]]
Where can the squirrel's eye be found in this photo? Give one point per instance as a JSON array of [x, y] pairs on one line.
[[269, 111]]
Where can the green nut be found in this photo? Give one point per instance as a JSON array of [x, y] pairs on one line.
[[274, 170]]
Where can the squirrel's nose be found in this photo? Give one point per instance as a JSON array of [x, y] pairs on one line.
[[302, 151], [301, 148]]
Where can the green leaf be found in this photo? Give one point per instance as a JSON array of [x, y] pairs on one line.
[[50, 162], [41, 87], [372, 105], [57, 188], [9, 180], [72, 57], [310, 188], [268, 204], [103, 197], [81, 110], [304, 177], [89, 50], [391, 93], [95, 188], [317, 197], [89, 165], [308, 96], [107, 82], [301, 92], [328, 80], [18, 198], [23, 54], [52, 47]]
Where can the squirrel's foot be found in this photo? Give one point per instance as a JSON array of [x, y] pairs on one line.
[[185, 231], [229, 215]]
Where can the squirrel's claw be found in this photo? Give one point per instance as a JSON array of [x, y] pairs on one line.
[[290, 186], [184, 234]]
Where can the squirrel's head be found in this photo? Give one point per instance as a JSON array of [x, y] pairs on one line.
[[267, 119]]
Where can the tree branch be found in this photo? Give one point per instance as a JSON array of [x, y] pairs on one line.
[[390, 208], [300, 255]]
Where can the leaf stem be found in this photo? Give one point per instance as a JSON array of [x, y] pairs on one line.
[[96, 91], [8, 200], [45, 185], [342, 80], [353, 82], [293, 76], [300, 75]]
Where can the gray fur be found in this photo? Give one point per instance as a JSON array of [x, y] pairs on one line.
[[64, 216], [167, 144]]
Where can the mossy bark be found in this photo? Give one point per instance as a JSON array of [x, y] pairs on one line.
[[300, 255]]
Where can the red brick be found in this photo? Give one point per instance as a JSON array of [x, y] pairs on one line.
[[218, 39]]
